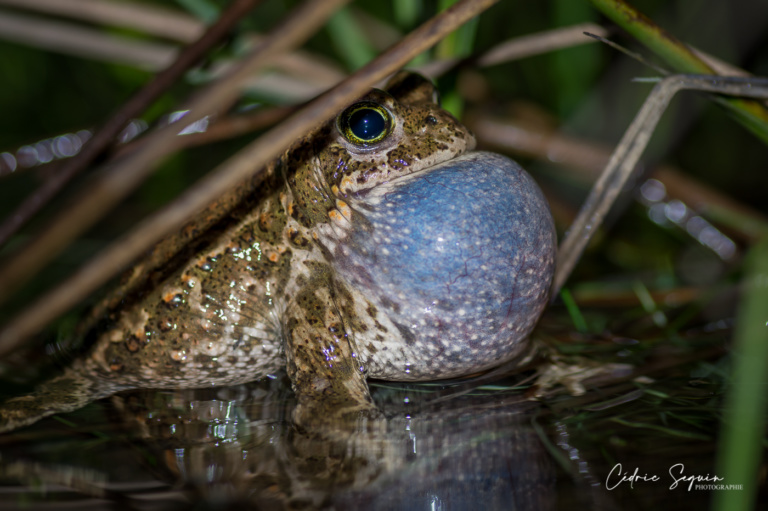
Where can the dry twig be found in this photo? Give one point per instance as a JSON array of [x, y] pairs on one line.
[[626, 155], [522, 47], [132, 108], [146, 18], [84, 42]]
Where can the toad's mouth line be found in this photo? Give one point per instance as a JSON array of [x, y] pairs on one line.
[[472, 155]]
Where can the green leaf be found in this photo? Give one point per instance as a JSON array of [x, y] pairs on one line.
[[204, 10]]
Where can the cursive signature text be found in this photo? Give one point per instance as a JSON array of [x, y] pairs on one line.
[[618, 476]]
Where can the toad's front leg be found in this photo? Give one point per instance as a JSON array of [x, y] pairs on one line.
[[322, 357]]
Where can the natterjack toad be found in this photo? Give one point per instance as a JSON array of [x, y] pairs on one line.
[[379, 247]]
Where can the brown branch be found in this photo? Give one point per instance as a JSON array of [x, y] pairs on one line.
[[622, 164], [522, 47], [233, 171], [132, 108], [62, 37], [146, 18]]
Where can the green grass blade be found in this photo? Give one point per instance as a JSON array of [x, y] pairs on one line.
[[740, 449], [573, 310], [349, 40], [578, 67], [407, 13], [690, 435], [201, 9], [459, 43]]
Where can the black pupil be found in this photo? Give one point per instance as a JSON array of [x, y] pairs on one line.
[[366, 124]]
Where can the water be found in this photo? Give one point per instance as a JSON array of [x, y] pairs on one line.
[[432, 449]]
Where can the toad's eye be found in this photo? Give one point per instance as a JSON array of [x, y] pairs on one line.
[[365, 123]]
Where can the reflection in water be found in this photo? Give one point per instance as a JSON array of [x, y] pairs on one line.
[[238, 446]]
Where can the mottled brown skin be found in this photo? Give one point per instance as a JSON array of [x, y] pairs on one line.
[[258, 292]]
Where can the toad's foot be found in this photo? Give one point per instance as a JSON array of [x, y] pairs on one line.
[[65, 393], [323, 361]]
